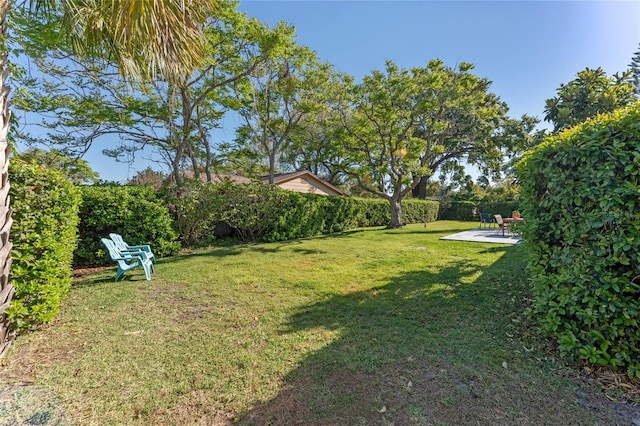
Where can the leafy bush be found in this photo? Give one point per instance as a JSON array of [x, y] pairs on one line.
[[581, 199], [135, 212], [469, 210], [252, 209], [374, 211], [196, 208], [460, 210], [419, 211], [503, 208], [44, 237], [255, 211], [306, 215]]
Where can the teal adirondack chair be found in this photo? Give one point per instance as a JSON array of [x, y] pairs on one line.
[[127, 261], [124, 247]]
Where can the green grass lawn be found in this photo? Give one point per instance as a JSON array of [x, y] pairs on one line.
[[368, 327]]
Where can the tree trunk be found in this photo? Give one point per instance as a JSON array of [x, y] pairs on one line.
[[272, 167], [396, 213], [177, 173], [6, 289], [420, 190]]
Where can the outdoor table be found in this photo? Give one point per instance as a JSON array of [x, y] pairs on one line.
[[512, 219]]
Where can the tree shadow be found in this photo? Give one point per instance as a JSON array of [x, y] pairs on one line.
[[424, 348], [96, 280], [425, 231]]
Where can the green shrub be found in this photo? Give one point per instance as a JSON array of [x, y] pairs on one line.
[[307, 215], [341, 214], [252, 209], [374, 212], [503, 208], [581, 198], [460, 210], [196, 208], [44, 235], [419, 211], [135, 212], [255, 211]]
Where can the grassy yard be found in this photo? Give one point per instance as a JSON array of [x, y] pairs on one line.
[[367, 327]]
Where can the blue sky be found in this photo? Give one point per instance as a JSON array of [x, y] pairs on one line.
[[527, 49]]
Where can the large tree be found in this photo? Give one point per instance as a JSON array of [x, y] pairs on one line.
[[591, 93], [173, 117], [284, 90], [404, 125], [634, 66], [145, 38]]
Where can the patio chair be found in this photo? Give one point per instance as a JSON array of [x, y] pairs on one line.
[[123, 246], [502, 224], [485, 221], [127, 260]]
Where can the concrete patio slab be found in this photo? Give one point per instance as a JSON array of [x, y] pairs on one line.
[[483, 236]]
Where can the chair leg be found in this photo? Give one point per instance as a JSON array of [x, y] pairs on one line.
[[147, 271]]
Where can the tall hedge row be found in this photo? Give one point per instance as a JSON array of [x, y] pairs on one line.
[[135, 212], [581, 199], [503, 208], [468, 210], [44, 237], [459, 210], [256, 211]]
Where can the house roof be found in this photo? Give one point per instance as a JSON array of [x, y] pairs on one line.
[[285, 177], [279, 178]]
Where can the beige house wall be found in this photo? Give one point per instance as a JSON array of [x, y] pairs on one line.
[[301, 184]]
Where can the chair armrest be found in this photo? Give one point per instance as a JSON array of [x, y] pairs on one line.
[[144, 247], [138, 253]]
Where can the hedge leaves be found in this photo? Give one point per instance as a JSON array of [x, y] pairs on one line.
[[581, 198]]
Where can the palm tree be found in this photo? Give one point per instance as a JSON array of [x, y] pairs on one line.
[[144, 37]]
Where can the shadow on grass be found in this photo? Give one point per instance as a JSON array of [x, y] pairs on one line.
[[423, 348], [107, 277], [425, 231], [239, 249], [230, 248]]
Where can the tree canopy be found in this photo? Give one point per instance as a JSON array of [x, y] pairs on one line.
[[591, 93], [403, 126], [174, 117], [634, 66], [284, 92]]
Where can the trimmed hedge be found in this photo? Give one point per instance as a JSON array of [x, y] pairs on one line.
[[196, 209], [469, 210], [135, 212], [581, 198], [460, 210], [503, 208], [44, 237], [305, 215], [416, 211], [256, 211]]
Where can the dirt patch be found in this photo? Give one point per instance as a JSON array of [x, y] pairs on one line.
[[82, 272]]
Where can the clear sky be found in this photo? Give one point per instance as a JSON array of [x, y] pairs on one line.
[[527, 49]]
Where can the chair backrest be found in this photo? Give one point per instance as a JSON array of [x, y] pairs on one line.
[[119, 241], [484, 217], [111, 247], [499, 219]]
